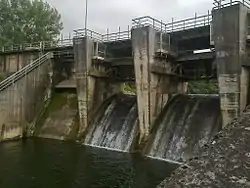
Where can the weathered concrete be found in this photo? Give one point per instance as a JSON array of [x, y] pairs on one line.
[[153, 87], [93, 85], [60, 120], [225, 162], [22, 101], [10, 63], [230, 34]]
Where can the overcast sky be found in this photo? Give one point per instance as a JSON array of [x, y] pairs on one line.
[[111, 14]]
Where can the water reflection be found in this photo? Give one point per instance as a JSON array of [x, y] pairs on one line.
[[45, 163]]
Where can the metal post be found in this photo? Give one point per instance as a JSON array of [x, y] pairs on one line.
[[208, 15], [195, 17], [107, 34], [161, 37], [86, 17], [119, 31], [128, 31], [172, 24]]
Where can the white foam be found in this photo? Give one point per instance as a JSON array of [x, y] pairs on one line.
[[166, 160]]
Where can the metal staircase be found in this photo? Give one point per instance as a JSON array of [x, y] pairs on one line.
[[25, 70]]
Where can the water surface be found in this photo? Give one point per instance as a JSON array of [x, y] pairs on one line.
[[42, 163]]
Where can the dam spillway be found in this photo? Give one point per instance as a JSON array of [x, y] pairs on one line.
[[116, 128], [186, 124]]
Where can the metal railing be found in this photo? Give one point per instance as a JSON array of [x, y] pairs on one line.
[[43, 45], [24, 71], [90, 33], [226, 3], [197, 21], [108, 37]]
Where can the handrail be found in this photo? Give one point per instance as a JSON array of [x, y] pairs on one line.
[[38, 45], [24, 71], [90, 33], [197, 21], [108, 37], [226, 3]]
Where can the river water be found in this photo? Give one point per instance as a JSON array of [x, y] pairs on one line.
[[43, 163]]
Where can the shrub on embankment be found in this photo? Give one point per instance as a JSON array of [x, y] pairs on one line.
[[225, 162]]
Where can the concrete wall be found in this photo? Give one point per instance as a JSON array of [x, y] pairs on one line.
[[60, 119], [153, 88], [23, 100], [230, 34], [92, 88], [10, 63]]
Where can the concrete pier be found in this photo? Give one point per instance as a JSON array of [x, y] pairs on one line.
[[230, 36], [154, 76], [94, 82]]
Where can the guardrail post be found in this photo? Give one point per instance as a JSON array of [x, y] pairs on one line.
[[172, 29], [208, 15], [107, 34], [128, 32], [119, 33], [195, 17], [161, 37]]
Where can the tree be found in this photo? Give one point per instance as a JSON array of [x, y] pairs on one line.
[[26, 21]]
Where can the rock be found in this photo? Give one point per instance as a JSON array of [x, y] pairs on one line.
[[223, 163]]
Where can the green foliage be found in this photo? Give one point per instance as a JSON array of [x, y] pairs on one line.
[[129, 88], [203, 87], [24, 21]]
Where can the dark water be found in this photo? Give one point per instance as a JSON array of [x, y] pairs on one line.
[[37, 163], [117, 127], [186, 124]]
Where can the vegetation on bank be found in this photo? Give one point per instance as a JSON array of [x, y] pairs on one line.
[[58, 100], [194, 87], [129, 88], [26, 21], [203, 87]]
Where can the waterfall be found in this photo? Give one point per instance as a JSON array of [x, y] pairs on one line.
[[186, 124], [117, 128]]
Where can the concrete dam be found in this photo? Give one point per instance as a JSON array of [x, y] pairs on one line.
[[73, 89]]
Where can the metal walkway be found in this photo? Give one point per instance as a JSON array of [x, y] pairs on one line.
[[173, 26]]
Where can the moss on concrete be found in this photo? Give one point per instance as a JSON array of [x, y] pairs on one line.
[[57, 102], [1, 77]]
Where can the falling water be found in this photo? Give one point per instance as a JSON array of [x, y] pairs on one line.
[[117, 128], [186, 124]]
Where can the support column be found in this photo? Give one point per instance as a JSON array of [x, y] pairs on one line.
[[230, 31], [153, 79], [83, 52]]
